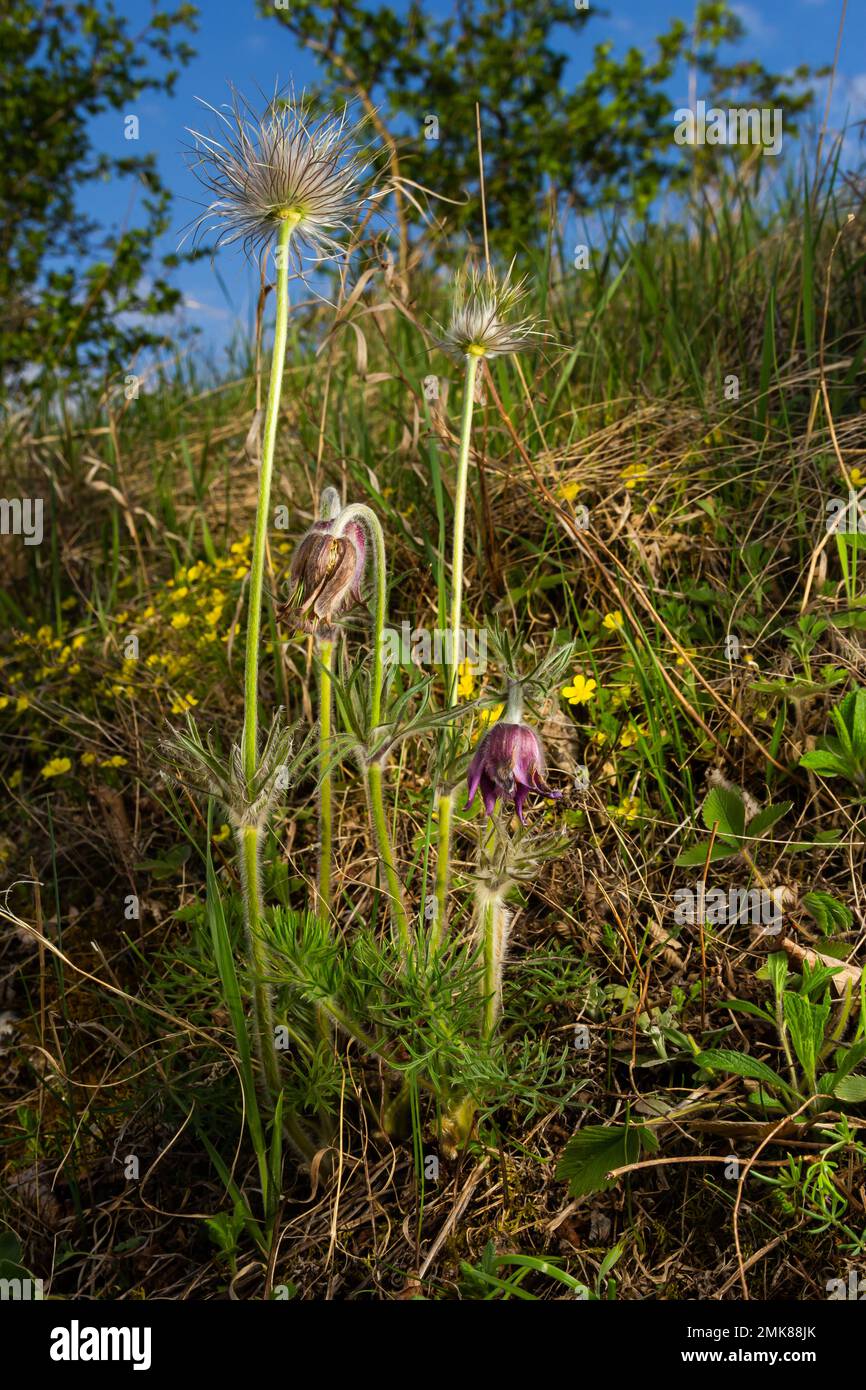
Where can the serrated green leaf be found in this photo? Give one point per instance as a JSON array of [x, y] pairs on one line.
[[806, 1023], [850, 1088], [762, 822], [724, 806], [697, 854], [830, 914], [591, 1153], [738, 1064]]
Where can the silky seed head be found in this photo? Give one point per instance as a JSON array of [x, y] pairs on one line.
[[481, 323], [285, 166]]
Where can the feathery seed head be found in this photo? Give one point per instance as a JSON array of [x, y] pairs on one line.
[[285, 166], [479, 325]]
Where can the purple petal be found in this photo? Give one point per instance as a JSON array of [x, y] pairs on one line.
[[476, 769]]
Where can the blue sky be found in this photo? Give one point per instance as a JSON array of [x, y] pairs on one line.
[[234, 43]]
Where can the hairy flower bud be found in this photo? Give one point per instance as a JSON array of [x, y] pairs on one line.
[[508, 764], [326, 574]]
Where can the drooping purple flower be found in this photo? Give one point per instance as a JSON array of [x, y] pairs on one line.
[[326, 572], [508, 764]]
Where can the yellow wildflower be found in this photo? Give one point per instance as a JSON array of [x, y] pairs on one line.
[[116, 761], [628, 809], [182, 703], [613, 622], [180, 620], [465, 680], [56, 767], [632, 475], [581, 690]]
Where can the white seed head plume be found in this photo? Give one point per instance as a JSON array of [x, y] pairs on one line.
[[287, 165], [480, 323]]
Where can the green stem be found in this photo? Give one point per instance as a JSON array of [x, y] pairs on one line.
[[386, 854], [257, 567], [250, 835], [373, 771], [263, 1015], [443, 860], [494, 926], [326, 828]]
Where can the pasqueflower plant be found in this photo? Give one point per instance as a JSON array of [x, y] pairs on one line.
[[293, 186]]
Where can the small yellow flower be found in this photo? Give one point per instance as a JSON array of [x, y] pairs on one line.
[[613, 622], [858, 478], [241, 572], [581, 690], [180, 620], [22, 703], [635, 473], [221, 834], [121, 617], [465, 680], [182, 703], [4, 701], [116, 761], [44, 634], [179, 594], [599, 738], [15, 779], [486, 717], [195, 572], [149, 611], [569, 491], [628, 809], [629, 736], [88, 759], [56, 767], [78, 642]]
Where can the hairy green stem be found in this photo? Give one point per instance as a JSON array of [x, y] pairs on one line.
[[257, 567], [494, 936], [326, 827], [373, 771], [263, 1015], [443, 859], [250, 835]]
